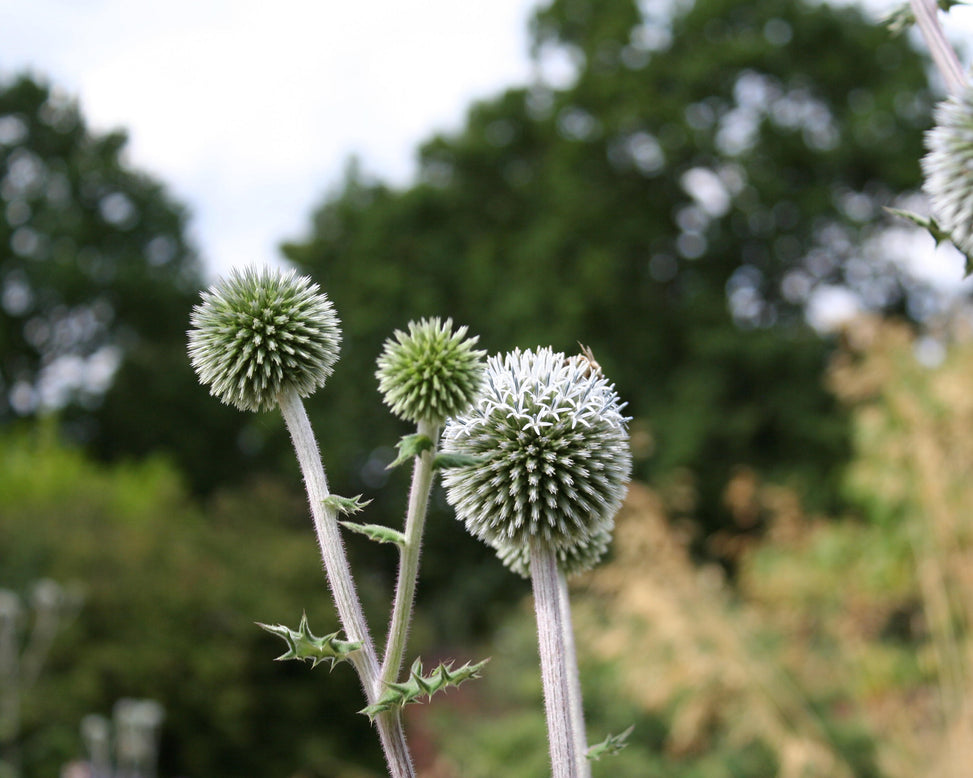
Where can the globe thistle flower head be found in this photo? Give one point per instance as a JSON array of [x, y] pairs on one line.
[[432, 372], [553, 456], [258, 332], [948, 169]]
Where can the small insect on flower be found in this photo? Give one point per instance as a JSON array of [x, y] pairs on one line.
[[587, 360]]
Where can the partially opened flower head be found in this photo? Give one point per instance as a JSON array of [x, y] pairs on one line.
[[553, 458], [432, 372], [259, 332], [948, 169]]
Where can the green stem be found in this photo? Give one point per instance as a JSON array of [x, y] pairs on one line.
[[558, 671], [342, 585], [405, 589]]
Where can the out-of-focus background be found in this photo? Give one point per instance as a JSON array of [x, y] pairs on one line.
[[693, 189]]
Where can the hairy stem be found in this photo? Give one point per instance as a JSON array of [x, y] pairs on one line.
[[576, 708], [558, 672], [942, 52], [409, 560], [342, 585]]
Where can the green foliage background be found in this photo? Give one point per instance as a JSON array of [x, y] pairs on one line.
[[172, 590], [558, 216]]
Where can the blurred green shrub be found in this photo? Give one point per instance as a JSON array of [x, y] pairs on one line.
[[171, 594]]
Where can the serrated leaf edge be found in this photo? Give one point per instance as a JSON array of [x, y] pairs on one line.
[[400, 694], [377, 532], [610, 746], [938, 233], [410, 446], [346, 506], [307, 647]]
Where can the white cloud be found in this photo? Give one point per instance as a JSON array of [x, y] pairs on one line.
[[250, 110]]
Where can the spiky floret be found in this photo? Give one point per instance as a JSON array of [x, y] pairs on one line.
[[948, 169], [553, 456], [432, 372], [260, 331]]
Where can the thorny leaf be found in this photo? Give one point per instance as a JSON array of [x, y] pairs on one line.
[[938, 233], [376, 532], [610, 746], [419, 685], [303, 645], [410, 446], [346, 506]]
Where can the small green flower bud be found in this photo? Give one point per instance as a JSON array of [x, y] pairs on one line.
[[554, 459], [259, 332], [430, 373], [948, 169]]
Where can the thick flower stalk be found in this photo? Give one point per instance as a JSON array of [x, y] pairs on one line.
[[261, 331], [553, 462], [266, 338], [948, 169], [925, 13], [425, 375]]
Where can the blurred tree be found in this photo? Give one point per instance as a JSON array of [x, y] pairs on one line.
[[96, 282], [170, 601], [672, 192]]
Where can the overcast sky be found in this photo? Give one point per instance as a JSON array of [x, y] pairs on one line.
[[249, 110]]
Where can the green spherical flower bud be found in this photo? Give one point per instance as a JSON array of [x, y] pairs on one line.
[[948, 169], [260, 332], [554, 459], [430, 373]]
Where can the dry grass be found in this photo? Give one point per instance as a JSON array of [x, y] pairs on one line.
[[672, 628]]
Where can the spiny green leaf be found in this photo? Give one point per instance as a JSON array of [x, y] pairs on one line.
[[376, 532], [937, 232], [444, 461], [610, 746], [346, 506], [419, 685], [410, 446], [301, 644]]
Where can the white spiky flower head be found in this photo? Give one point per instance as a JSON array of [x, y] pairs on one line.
[[948, 169], [432, 372], [553, 457], [258, 332]]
